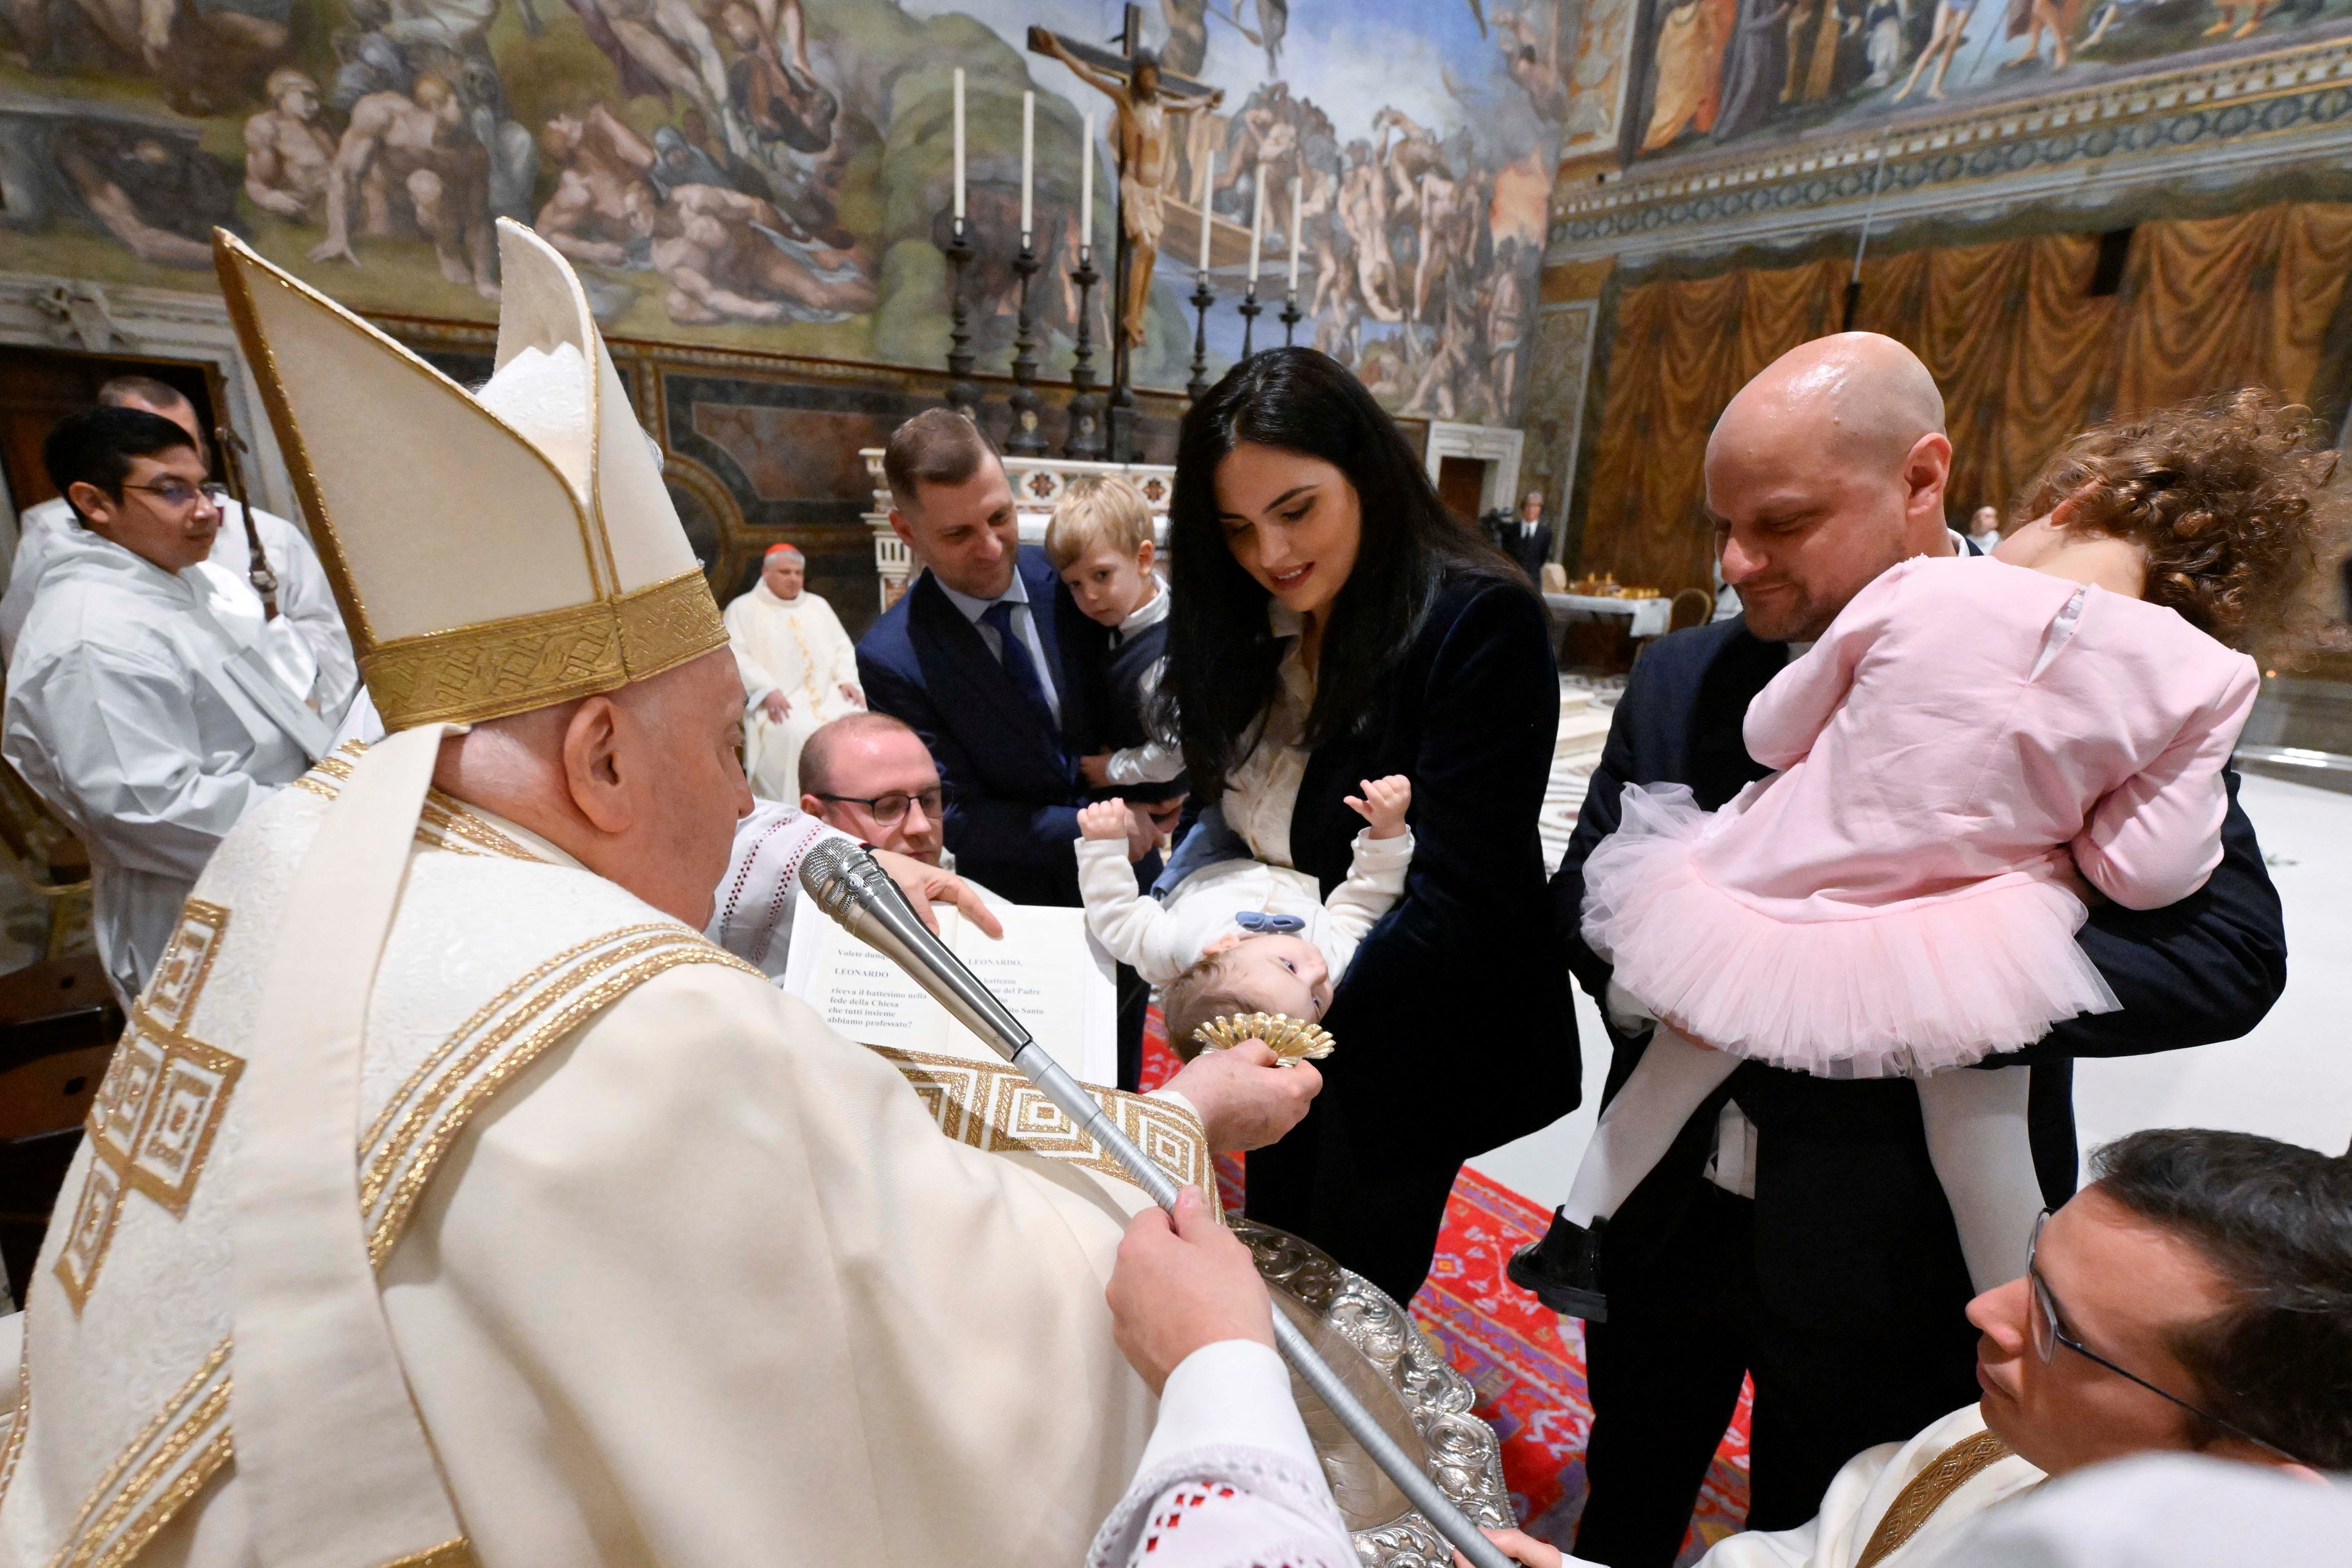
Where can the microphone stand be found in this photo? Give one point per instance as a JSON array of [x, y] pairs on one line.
[[850, 886]]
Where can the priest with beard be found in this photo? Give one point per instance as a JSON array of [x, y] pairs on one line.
[[451, 1200]]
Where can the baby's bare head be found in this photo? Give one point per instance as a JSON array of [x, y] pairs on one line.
[[1242, 973]]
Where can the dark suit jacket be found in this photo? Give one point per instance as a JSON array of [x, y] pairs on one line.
[[1453, 1021], [1016, 787], [1846, 1201], [1530, 554]]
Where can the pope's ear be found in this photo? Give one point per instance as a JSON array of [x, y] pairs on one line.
[[592, 766]]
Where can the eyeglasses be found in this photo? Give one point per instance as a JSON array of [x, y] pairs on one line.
[[2048, 1335], [175, 494], [889, 810]]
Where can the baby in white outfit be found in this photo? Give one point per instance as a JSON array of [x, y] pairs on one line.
[[1240, 935]]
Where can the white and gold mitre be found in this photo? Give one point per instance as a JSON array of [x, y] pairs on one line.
[[493, 553]]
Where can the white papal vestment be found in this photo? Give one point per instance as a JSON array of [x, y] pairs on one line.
[[675, 1274], [151, 710], [796, 647]]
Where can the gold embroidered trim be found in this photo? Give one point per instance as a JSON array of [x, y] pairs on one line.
[[88, 1544], [457, 1554], [443, 824], [22, 1416], [405, 1194], [995, 1108], [1929, 1491], [405, 1116], [158, 1108], [668, 623]]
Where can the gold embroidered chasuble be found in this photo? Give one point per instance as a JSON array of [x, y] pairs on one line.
[[676, 1275]]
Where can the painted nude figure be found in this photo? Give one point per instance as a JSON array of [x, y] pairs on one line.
[[289, 151], [421, 147]]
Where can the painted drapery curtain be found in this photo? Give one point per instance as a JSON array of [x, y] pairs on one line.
[[2023, 351]]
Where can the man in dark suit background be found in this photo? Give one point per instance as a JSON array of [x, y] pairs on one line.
[[1525, 538], [1796, 1232], [989, 660]]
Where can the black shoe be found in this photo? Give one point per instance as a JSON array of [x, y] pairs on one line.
[[1564, 1269]]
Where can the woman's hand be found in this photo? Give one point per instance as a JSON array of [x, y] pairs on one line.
[[1383, 804], [1181, 1285], [1094, 769], [1104, 819]]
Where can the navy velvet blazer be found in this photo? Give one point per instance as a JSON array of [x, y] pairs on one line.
[[1845, 1193], [1453, 1019], [1016, 785]]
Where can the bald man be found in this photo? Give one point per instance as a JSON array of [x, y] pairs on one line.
[[1796, 1232]]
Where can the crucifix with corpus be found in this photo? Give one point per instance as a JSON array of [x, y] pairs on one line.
[[1148, 101]]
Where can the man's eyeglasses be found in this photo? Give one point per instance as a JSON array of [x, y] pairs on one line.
[[2046, 1322], [889, 810], [175, 494]]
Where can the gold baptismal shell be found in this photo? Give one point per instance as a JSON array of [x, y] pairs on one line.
[[1291, 1040]]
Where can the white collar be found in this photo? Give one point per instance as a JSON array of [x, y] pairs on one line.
[[1150, 614], [1283, 619], [974, 608]]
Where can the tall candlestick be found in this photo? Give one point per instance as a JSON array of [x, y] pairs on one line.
[[1257, 223], [1295, 186], [1208, 179], [1085, 185], [1028, 162], [958, 146]]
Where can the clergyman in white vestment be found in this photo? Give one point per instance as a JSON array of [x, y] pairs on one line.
[[799, 669], [149, 704], [633, 1261]]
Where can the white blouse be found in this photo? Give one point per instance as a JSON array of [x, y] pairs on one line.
[[1263, 792]]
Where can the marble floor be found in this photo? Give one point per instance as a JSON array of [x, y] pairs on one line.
[[2291, 1078]]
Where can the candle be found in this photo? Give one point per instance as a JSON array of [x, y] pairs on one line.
[[1257, 225], [1086, 183], [1028, 162], [1208, 178], [1295, 183], [959, 147]]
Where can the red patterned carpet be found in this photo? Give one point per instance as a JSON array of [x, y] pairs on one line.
[[1527, 1369]]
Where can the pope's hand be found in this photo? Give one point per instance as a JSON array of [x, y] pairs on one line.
[[1246, 1101], [926, 885], [1519, 1547], [1180, 1286]]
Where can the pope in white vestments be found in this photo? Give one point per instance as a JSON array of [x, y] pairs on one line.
[[452, 1202], [150, 707], [799, 669]]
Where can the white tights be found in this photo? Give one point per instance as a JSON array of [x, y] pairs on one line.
[[1976, 1138]]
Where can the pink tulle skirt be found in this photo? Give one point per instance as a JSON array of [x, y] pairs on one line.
[[1932, 983]]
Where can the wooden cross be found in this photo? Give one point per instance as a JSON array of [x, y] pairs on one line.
[[1121, 65]]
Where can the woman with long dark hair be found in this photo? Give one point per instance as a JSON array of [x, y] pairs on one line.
[[1330, 623]]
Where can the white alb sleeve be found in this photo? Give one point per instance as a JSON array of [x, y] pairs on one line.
[[1229, 1476]]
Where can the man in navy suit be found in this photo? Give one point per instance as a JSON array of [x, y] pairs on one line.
[[990, 662], [1796, 1232]]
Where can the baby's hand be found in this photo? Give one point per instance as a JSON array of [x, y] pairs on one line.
[[1104, 819], [1383, 804]]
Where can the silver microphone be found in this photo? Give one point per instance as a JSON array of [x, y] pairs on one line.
[[849, 886], [854, 890]]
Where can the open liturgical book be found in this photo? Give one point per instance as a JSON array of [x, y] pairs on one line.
[[1048, 972]]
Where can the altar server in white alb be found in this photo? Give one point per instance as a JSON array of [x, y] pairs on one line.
[[149, 703], [305, 601], [799, 670], [451, 1199]]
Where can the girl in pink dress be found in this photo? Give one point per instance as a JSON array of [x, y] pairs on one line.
[[1969, 743]]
